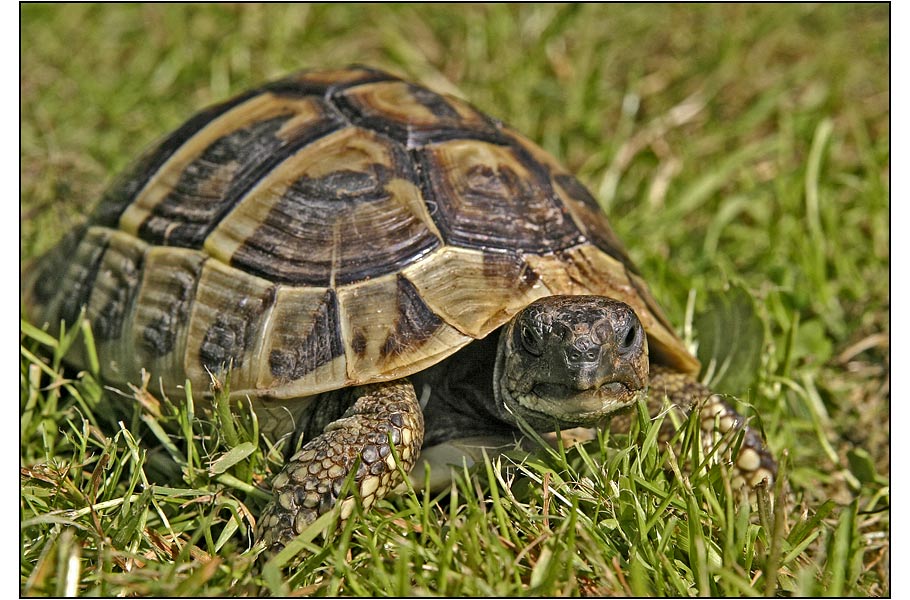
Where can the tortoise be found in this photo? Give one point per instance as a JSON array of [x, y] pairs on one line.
[[382, 269]]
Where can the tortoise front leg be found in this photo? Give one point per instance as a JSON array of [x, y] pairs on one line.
[[310, 483], [753, 464]]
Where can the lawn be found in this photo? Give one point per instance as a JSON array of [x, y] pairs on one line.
[[742, 153]]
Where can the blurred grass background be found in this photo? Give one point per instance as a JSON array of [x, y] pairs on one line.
[[728, 143]]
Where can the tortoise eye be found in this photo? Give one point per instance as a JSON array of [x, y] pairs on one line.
[[530, 341]]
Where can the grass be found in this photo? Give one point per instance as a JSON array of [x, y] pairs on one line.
[[742, 152]]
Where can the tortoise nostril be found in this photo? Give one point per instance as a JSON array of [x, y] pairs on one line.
[[628, 341]]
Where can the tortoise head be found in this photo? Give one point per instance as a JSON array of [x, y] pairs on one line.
[[571, 361]]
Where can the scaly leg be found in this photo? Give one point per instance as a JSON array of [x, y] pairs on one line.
[[753, 464], [312, 480]]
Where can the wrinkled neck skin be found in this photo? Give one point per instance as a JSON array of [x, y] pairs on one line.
[[588, 359]]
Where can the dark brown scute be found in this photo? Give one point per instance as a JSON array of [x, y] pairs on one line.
[[46, 283], [395, 121], [117, 284], [215, 181], [318, 347], [125, 188], [234, 332], [159, 337], [490, 205], [341, 227], [415, 322], [82, 274]]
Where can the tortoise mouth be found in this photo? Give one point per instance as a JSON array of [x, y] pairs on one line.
[[588, 398], [571, 406]]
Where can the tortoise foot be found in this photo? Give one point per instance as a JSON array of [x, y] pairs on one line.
[[359, 443], [720, 424]]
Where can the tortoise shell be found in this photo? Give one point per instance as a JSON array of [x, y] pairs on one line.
[[329, 229]]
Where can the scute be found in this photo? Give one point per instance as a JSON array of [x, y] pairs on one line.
[[307, 221], [229, 315], [303, 350], [212, 171], [587, 213], [414, 115], [390, 331], [485, 196], [82, 272], [163, 308], [123, 191], [111, 300], [491, 287], [332, 228]]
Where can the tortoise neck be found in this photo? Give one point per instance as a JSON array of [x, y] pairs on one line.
[[463, 394], [498, 406]]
